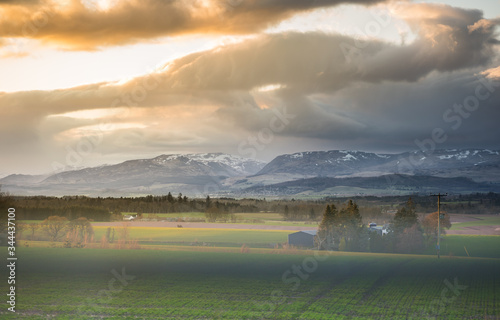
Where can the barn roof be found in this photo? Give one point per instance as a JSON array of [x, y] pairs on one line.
[[311, 232]]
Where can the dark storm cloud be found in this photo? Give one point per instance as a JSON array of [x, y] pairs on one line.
[[395, 115]]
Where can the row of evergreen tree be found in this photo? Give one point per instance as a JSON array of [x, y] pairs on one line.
[[343, 229]]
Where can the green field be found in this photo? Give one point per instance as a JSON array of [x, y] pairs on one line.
[[272, 218], [188, 273], [476, 246], [162, 235], [452, 245], [78, 284], [242, 216], [481, 221], [199, 215]]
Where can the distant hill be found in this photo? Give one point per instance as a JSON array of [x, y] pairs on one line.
[[336, 172], [324, 163], [382, 185], [477, 164], [192, 173]]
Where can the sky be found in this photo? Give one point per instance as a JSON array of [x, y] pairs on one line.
[[91, 82]]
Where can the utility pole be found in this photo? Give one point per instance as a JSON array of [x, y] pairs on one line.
[[439, 195]]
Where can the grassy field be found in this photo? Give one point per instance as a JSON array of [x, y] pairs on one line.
[[482, 221], [242, 216], [238, 237], [476, 246], [60, 283], [199, 215], [452, 245], [272, 218]]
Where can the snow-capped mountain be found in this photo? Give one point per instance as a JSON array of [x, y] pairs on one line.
[[324, 163], [481, 165], [194, 173], [478, 164], [219, 163], [342, 172], [319, 172]]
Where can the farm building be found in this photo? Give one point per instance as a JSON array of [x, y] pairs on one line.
[[303, 238], [381, 230]]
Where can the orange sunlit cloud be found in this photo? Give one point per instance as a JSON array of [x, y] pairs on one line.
[[89, 25]]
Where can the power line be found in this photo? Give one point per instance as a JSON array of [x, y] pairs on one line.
[[439, 195]]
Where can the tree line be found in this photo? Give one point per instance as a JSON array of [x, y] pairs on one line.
[[109, 209], [343, 229], [377, 209]]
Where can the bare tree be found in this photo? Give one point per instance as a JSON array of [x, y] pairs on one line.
[[32, 227], [54, 226], [81, 228]]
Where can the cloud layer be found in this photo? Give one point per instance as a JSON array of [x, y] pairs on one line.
[[338, 91], [74, 24]]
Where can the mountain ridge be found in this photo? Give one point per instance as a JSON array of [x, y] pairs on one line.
[[185, 172], [225, 174], [338, 163], [380, 186]]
